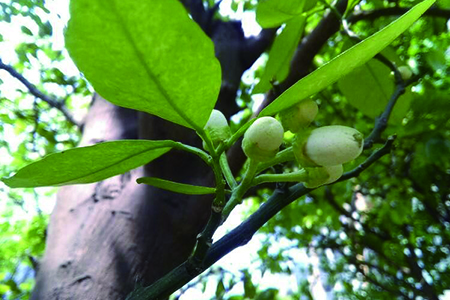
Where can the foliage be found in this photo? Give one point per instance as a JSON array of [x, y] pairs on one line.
[[381, 233], [30, 128]]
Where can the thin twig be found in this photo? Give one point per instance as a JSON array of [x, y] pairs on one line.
[[241, 235], [387, 147], [38, 94]]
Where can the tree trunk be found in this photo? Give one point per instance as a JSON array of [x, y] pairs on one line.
[[105, 238]]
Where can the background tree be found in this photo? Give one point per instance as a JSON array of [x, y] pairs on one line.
[[382, 234]]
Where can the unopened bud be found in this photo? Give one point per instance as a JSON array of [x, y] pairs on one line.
[[299, 116], [405, 72], [262, 139], [323, 175], [328, 146], [217, 128]]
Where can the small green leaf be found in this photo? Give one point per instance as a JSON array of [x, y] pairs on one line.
[[249, 287], [26, 30], [273, 13], [176, 187], [345, 62], [45, 29], [88, 164], [280, 54], [220, 289], [146, 55]]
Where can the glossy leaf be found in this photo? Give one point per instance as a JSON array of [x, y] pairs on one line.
[[369, 88], [281, 54], [273, 13], [176, 187], [346, 62], [88, 164], [137, 57]]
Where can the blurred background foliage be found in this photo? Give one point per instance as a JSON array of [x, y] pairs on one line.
[[31, 44], [382, 235]]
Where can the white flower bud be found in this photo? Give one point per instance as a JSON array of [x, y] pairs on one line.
[[323, 175], [328, 146], [405, 72], [299, 116], [262, 139], [217, 127]]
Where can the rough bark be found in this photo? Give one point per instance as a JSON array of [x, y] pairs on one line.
[[105, 237]]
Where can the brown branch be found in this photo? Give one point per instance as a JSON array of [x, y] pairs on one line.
[[38, 94]]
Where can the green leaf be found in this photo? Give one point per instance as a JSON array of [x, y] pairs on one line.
[[26, 30], [176, 187], [88, 164], [281, 53], [249, 287], [220, 289], [273, 13], [436, 58], [369, 88], [350, 6], [146, 55], [345, 62]]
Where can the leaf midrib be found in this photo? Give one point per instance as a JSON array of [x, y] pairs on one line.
[[149, 72], [102, 169]]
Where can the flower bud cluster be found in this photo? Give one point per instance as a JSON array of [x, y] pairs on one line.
[[321, 151]]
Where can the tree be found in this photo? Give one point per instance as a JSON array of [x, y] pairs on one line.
[[385, 222]]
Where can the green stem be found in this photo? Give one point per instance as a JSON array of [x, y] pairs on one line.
[[227, 171], [204, 239], [238, 193], [219, 201], [298, 176], [194, 150], [209, 145], [281, 157]]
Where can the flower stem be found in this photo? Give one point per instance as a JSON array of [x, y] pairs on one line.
[[298, 176], [238, 193], [227, 171], [281, 157]]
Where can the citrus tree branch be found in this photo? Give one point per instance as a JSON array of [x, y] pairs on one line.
[[239, 236], [59, 105]]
